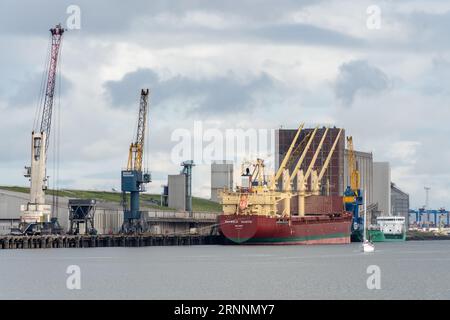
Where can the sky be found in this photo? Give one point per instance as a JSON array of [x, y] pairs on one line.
[[379, 69]]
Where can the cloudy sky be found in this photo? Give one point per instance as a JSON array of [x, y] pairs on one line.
[[230, 64]]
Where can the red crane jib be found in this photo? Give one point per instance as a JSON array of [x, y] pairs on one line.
[[46, 119]]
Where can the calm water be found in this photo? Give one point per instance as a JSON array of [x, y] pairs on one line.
[[419, 270]]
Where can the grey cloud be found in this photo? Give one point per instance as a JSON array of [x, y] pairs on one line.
[[26, 91], [304, 33], [356, 77], [219, 94], [435, 80], [29, 18], [116, 16], [431, 30]]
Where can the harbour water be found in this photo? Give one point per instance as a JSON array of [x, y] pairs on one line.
[[407, 270]]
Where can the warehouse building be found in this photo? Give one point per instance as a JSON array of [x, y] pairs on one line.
[[399, 203], [177, 191], [382, 187], [11, 202]]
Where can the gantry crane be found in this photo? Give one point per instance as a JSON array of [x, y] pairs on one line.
[[36, 212], [134, 177], [352, 195]]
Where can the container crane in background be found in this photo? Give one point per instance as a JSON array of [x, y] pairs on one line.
[[36, 212], [352, 195], [134, 177]]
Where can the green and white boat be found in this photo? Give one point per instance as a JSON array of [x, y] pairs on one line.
[[388, 228]]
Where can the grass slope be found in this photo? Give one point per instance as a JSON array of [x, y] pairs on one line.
[[147, 200]]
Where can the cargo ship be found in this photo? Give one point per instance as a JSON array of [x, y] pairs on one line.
[[260, 212], [256, 229], [388, 228]]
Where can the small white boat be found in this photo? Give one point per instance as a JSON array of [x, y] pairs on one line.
[[367, 246]]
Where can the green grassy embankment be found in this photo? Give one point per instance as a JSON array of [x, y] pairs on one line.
[[147, 200]]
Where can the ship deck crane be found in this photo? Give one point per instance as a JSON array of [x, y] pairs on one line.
[[316, 154], [302, 178], [134, 177], [303, 155], [286, 158], [315, 185], [36, 211]]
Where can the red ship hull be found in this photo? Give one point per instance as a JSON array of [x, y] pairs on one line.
[[256, 229]]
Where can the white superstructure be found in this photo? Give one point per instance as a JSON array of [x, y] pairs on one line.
[[391, 224]]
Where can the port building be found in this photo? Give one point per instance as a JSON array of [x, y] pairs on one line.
[[399, 203], [382, 187], [177, 191], [221, 177]]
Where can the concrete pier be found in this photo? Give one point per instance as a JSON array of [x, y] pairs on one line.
[[87, 241]]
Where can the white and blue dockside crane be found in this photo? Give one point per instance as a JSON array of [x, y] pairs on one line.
[[38, 217], [135, 176]]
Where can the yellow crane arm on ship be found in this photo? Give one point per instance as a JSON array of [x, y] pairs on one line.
[[288, 154], [313, 160], [327, 161], [302, 157]]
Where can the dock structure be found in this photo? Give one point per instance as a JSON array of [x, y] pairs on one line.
[[99, 241]]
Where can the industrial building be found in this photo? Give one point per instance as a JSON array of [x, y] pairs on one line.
[[382, 187], [399, 203], [177, 191], [333, 181], [11, 203], [221, 177]]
